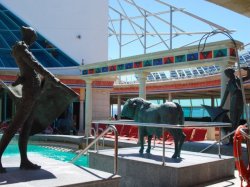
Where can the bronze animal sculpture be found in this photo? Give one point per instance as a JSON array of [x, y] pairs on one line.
[[39, 100], [144, 111]]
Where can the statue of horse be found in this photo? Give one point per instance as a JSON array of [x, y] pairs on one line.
[[144, 111]]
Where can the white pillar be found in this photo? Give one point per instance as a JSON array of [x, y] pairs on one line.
[[142, 84], [119, 106], [224, 81], [169, 97], [81, 115], [88, 107]]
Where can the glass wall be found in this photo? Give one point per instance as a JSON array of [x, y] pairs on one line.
[[193, 107]]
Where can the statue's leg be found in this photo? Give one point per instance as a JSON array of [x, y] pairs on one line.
[[17, 122], [141, 138], [182, 137], [176, 142], [175, 155], [149, 144], [23, 143], [6, 138]]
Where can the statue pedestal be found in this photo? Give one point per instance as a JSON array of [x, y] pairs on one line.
[[135, 170]]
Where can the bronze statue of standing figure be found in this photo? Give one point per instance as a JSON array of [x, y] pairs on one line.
[[29, 117], [236, 98]]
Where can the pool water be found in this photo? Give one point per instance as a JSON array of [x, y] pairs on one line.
[[57, 154]]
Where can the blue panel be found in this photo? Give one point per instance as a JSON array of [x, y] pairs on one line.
[[8, 22], [85, 72], [193, 56], [8, 60], [105, 69], [129, 65], [157, 62]]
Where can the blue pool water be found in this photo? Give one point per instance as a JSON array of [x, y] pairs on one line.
[[53, 153]]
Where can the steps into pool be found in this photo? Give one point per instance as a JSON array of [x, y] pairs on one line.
[[54, 173]]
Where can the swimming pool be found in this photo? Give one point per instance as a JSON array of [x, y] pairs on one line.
[[56, 153]]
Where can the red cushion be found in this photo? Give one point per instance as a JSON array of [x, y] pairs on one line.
[[133, 133], [125, 130], [199, 134], [188, 132]]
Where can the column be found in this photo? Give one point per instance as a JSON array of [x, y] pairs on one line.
[[81, 113], [88, 107], [224, 80], [142, 84], [169, 97], [119, 107], [212, 101]]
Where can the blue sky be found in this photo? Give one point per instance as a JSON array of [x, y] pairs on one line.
[[201, 8]]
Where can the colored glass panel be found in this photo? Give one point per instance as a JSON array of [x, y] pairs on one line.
[[129, 65], [157, 62], [138, 64], [98, 70], [220, 53], [147, 63], [120, 67], [112, 68], [206, 55], [85, 72], [168, 60], [91, 71], [193, 56], [180, 58], [232, 52], [105, 69]]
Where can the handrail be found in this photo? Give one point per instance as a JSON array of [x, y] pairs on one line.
[[245, 134], [187, 124], [218, 142], [111, 127]]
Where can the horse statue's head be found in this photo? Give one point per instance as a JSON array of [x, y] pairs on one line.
[[131, 107]]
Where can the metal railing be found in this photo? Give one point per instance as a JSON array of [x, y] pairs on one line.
[[244, 134], [95, 133], [111, 127], [218, 142], [187, 124]]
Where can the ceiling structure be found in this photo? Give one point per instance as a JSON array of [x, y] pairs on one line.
[[239, 6], [149, 30]]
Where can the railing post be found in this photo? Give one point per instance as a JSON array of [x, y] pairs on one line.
[[163, 144]]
